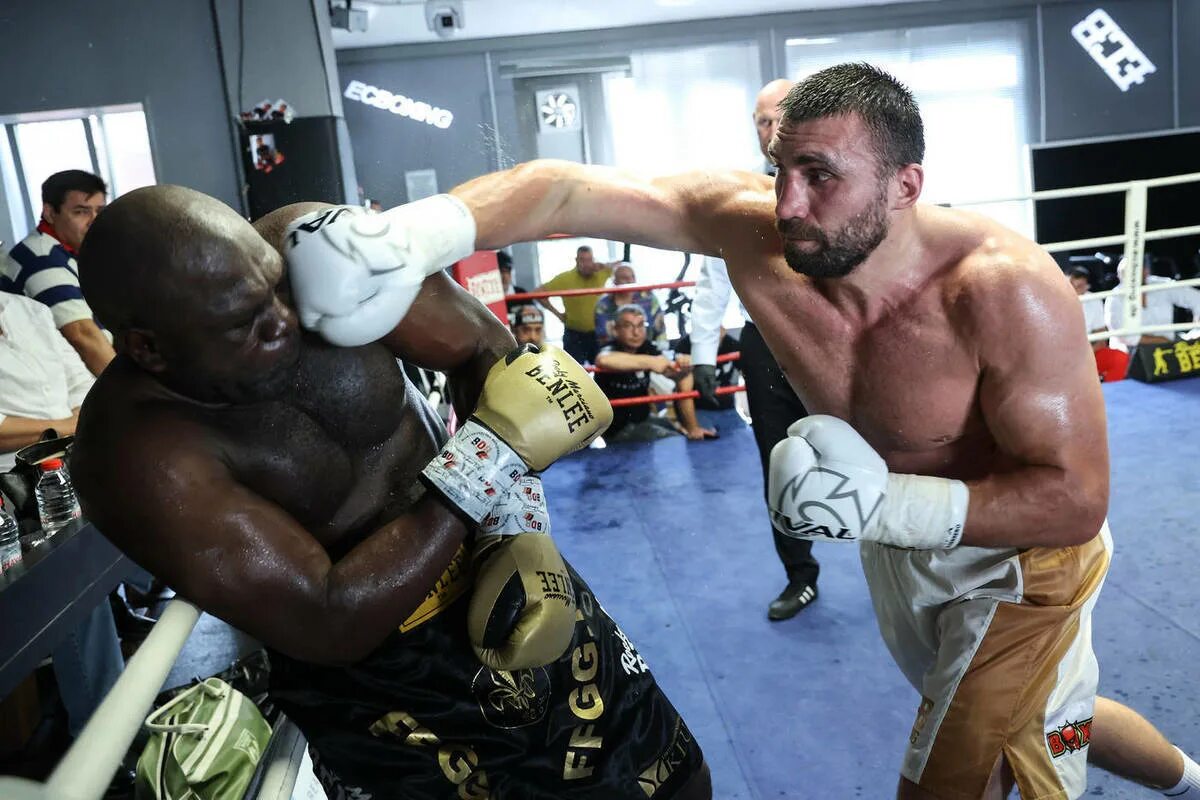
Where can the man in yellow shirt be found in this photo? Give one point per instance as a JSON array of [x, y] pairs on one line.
[[579, 338]]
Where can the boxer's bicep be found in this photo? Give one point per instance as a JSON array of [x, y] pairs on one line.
[[1039, 393], [450, 331], [223, 547]]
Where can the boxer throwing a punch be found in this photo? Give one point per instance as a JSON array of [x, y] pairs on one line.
[[424, 632], [966, 457]]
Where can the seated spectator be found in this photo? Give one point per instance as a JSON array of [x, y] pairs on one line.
[[728, 373], [42, 265], [626, 366], [606, 309], [1158, 308], [505, 266], [529, 326], [42, 384], [1093, 309]]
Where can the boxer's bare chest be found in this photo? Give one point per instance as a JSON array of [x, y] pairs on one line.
[[908, 381], [341, 451]]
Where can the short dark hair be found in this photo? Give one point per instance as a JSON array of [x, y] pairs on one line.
[[583, 248], [503, 261], [885, 105], [1082, 272], [55, 188]]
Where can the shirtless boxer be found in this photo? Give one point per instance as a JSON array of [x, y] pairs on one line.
[[951, 347], [273, 480]]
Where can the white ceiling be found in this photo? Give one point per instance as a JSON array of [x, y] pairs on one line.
[[403, 21]]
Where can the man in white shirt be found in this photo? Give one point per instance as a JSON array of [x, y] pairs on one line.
[[42, 384], [42, 379], [773, 404], [1093, 308], [1158, 308]]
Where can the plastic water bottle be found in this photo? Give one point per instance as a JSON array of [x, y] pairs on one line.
[[55, 497], [10, 540]]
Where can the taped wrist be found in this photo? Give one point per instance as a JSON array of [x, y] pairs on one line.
[[474, 470], [920, 512], [444, 225]]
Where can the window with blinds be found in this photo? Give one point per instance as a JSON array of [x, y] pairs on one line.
[[971, 84]]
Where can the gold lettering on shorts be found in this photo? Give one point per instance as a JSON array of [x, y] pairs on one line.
[[448, 588], [459, 762], [585, 702], [922, 715], [655, 775]]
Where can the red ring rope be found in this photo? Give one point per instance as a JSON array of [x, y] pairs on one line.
[[720, 360], [628, 287], [662, 398]]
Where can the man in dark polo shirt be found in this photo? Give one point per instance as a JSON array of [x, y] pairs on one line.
[[625, 368]]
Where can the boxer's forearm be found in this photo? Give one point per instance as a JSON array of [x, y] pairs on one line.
[[376, 586], [532, 201], [1035, 506]]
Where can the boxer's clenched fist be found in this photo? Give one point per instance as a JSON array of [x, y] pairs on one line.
[[827, 483], [354, 275], [537, 405]]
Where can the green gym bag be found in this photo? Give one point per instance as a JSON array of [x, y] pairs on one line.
[[204, 745]]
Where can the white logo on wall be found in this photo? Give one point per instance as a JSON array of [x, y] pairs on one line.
[[1112, 49], [558, 110], [415, 110]]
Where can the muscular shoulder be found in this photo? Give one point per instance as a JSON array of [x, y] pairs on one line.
[[128, 443], [1005, 287]]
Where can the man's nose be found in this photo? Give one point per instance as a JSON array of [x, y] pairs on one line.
[[791, 199]]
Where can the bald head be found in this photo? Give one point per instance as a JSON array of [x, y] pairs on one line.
[[145, 253], [766, 110]]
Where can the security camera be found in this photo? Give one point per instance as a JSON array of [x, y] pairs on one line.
[[444, 17]]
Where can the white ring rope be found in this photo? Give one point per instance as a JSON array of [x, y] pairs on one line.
[[1134, 240]]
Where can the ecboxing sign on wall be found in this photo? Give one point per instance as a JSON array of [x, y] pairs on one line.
[[398, 104]]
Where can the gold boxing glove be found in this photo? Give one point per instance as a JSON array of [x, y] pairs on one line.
[[537, 405], [522, 610]]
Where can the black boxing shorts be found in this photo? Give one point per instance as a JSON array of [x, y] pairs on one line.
[[421, 718]]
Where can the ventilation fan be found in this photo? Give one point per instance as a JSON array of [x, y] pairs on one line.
[[558, 110]]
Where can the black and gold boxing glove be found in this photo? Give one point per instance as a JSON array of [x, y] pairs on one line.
[[522, 610]]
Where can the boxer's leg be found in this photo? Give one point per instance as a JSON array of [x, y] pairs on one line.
[[1126, 744], [773, 407]]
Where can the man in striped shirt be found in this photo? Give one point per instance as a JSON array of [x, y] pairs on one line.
[[42, 266]]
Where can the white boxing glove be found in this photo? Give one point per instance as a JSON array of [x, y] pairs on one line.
[[826, 482], [354, 275]]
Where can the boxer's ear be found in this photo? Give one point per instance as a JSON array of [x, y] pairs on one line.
[[908, 182], [142, 347]]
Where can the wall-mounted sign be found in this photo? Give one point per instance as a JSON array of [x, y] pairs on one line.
[[398, 104], [1111, 48]]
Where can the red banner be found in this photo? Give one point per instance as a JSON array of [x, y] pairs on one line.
[[478, 274]]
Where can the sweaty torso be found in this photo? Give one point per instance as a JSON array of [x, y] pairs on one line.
[[339, 451], [907, 380]]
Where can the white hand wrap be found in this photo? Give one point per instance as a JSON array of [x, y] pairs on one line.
[[475, 470], [920, 512], [523, 510]]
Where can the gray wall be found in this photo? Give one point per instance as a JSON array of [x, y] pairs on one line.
[[387, 144], [72, 54], [162, 55]]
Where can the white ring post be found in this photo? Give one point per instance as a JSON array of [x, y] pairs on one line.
[[1135, 249], [87, 768]]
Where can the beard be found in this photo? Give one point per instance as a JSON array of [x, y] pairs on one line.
[[836, 255]]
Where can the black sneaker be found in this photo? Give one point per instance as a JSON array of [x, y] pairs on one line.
[[795, 597]]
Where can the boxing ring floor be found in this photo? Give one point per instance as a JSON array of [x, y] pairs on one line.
[[673, 537]]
